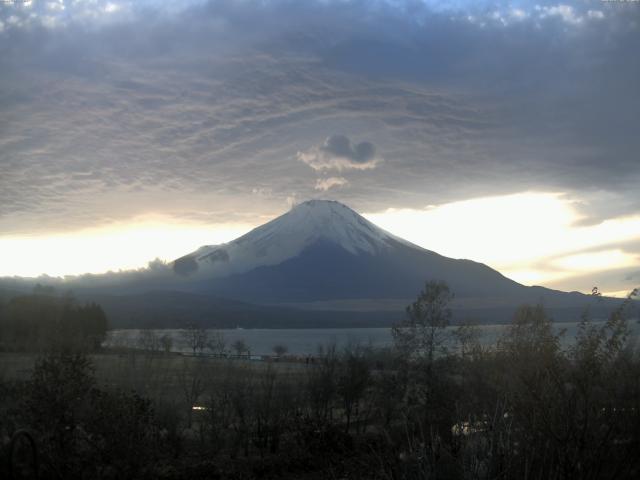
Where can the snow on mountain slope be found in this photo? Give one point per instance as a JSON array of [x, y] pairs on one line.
[[288, 235]]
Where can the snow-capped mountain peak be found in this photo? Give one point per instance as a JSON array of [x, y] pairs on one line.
[[287, 236], [325, 220]]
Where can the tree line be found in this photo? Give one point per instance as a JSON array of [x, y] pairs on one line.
[[43, 320]]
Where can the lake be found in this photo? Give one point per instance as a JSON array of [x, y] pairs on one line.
[[307, 341]]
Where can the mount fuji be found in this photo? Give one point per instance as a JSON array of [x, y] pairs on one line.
[[289, 236], [319, 265], [321, 255], [322, 250]]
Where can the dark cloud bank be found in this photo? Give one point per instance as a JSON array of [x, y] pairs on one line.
[[195, 111]]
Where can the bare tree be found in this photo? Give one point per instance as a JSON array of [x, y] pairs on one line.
[[166, 342], [280, 350], [468, 336], [191, 380], [217, 343], [195, 337], [353, 380], [240, 346], [149, 341], [321, 387], [422, 332]]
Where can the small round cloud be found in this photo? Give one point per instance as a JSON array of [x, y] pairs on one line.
[[339, 153]]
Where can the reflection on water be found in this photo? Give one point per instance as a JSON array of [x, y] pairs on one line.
[[306, 341]]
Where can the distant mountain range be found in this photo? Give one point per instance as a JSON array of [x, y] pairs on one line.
[[320, 264]]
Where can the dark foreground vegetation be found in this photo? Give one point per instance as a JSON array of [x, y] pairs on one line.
[[45, 321], [526, 408]]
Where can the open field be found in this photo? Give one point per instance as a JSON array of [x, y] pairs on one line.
[[155, 376]]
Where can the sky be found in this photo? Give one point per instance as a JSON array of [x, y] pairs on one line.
[[503, 132]]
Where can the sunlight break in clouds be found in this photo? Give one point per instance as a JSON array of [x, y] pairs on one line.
[[121, 247], [530, 237]]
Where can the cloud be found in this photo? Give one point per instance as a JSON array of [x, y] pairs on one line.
[[633, 276], [596, 14], [337, 153], [325, 184], [160, 107], [565, 12]]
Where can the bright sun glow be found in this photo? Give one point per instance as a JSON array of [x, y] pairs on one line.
[[530, 237], [598, 261], [119, 247]]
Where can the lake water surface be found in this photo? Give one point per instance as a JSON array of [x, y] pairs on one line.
[[307, 341]]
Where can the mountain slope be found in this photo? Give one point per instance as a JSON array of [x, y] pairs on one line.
[[288, 236], [322, 251], [175, 309], [324, 271]]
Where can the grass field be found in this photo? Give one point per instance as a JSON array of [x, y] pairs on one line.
[[157, 376]]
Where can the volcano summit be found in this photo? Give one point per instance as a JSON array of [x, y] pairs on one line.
[[321, 254]]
